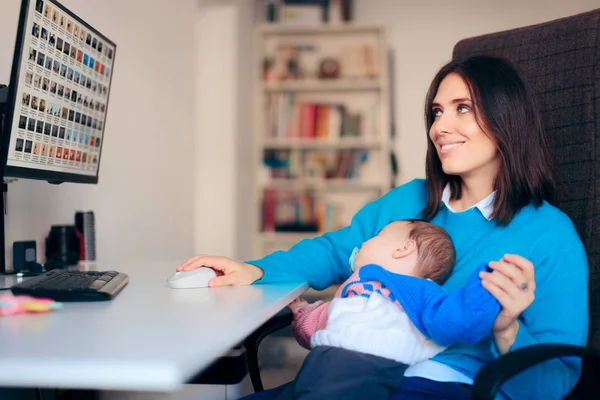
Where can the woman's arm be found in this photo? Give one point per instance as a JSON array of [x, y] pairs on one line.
[[559, 314], [322, 261], [506, 338]]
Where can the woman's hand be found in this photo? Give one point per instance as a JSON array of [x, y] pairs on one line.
[[512, 283], [229, 272]]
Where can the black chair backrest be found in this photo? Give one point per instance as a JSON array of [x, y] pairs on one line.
[[561, 61]]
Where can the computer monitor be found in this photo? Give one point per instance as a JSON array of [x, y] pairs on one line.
[[53, 113], [57, 96]]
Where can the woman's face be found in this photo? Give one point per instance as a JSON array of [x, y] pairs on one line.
[[463, 147]]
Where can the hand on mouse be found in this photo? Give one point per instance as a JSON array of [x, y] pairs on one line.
[[229, 272]]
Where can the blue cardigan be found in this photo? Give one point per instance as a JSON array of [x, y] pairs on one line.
[[543, 235]]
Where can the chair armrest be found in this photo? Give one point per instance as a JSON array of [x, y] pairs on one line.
[[493, 375], [279, 321]]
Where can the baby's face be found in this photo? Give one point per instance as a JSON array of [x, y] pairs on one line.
[[380, 249]]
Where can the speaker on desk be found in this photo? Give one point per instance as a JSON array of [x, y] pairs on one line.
[[24, 255], [62, 246]]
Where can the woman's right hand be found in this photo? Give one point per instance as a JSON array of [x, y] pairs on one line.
[[229, 272]]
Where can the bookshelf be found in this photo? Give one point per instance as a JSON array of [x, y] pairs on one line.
[[322, 139]]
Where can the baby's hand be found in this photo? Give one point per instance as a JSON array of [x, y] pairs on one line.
[[297, 304]]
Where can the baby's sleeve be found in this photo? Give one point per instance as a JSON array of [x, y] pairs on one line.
[[308, 320]]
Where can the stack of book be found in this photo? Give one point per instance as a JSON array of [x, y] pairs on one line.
[[322, 164], [298, 212], [290, 118]]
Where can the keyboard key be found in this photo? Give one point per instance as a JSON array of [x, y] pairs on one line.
[[97, 284]]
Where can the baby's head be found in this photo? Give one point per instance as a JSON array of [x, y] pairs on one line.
[[410, 247]]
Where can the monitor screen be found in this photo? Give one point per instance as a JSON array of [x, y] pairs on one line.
[[58, 96]]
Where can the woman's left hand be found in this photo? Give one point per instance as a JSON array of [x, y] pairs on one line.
[[512, 283]]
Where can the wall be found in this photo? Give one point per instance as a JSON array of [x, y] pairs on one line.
[[144, 201], [422, 35], [223, 219]]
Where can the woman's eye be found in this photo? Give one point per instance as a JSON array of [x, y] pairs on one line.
[[462, 109], [436, 112]]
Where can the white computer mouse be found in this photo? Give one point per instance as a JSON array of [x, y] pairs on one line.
[[196, 278]]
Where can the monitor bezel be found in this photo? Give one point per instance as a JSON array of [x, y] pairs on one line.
[[33, 173]]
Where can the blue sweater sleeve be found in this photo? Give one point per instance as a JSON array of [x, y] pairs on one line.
[[323, 261], [559, 314], [463, 316]]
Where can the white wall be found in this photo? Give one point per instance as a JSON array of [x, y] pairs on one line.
[[144, 201], [422, 35], [223, 212], [216, 116]]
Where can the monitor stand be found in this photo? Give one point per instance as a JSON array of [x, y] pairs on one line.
[[3, 154]]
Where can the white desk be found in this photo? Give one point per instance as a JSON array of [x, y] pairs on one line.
[[149, 338]]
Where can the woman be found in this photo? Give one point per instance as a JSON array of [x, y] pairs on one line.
[[490, 185]]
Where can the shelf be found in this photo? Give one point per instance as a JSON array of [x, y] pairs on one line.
[[362, 93], [321, 144], [277, 29], [334, 85], [286, 237], [320, 185]]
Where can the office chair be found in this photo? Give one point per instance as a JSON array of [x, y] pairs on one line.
[[561, 61]]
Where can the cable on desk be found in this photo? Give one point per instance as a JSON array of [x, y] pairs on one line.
[[38, 394]]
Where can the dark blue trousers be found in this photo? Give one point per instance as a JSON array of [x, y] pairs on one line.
[[336, 373], [410, 389], [333, 373]]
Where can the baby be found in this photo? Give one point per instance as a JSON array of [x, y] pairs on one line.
[[391, 313]]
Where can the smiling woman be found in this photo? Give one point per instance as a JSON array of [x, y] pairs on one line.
[[483, 124], [490, 185], [455, 131]]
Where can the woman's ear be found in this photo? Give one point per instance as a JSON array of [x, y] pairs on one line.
[[407, 248]]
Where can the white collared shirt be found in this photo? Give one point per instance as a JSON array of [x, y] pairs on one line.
[[434, 370], [486, 206]]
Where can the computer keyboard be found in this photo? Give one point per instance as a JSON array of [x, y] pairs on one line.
[[70, 285]]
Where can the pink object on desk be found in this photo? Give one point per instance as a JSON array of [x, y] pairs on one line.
[[12, 305]]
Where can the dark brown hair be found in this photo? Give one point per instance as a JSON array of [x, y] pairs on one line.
[[506, 110], [436, 250]]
